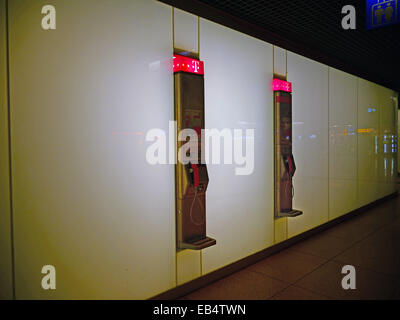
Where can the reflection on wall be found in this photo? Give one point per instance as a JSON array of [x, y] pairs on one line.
[[239, 208], [84, 194], [310, 146]]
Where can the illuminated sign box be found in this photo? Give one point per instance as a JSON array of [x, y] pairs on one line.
[[382, 13], [186, 64], [281, 85]]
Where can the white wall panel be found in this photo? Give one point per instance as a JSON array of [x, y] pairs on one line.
[[387, 154], [186, 31], [368, 141], [280, 56], [310, 142], [238, 95], [188, 265], [83, 97], [342, 143]]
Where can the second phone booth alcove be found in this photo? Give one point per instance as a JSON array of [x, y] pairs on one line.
[[192, 177], [285, 166]]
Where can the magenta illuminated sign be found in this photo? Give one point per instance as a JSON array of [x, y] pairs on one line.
[[281, 85], [186, 64]]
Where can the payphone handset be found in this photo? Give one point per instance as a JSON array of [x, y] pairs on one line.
[[195, 170], [289, 164], [197, 175]]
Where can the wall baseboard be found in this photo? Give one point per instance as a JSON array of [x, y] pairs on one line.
[[204, 280]]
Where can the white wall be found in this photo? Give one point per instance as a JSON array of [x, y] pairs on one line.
[[310, 142], [83, 97], [238, 95], [388, 138], [5, 230], [343, 183], [368, 147], [376, 163]]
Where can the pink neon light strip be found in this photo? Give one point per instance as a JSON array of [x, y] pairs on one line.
[[281, 85], [182, 63]]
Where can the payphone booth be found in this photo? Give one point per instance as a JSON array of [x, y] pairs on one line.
[[192, 177], [285, 166]]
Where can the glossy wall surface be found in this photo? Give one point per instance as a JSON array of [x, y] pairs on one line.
[[84, 197], [343, 142], [86, 200], [239, 207], [310, 142], [377, 142], [388, 142]]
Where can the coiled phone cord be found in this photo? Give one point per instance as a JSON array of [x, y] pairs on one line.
[[191, 209], [287, 185]]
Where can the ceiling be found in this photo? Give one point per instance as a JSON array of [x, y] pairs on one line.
[[312, 28]]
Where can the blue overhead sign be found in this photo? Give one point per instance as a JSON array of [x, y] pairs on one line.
[[382, 13]]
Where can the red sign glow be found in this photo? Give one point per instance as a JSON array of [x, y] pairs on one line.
[[182, 63], [281, 85]]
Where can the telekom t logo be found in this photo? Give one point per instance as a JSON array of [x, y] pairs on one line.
[[187, 64], [196, 66]]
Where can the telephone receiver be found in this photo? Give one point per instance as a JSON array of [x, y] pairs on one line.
[[290, 166], [194, 177]]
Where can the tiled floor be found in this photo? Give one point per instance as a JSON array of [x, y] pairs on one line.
[[312, 268]]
